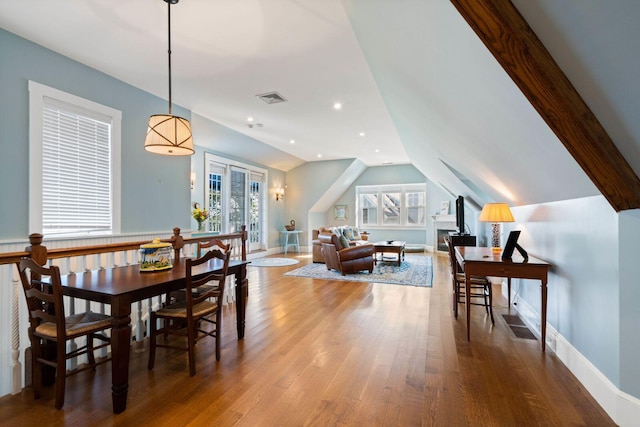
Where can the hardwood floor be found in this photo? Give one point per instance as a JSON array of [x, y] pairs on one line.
[[328, 353]]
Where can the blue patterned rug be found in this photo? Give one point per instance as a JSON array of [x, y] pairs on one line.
[[415, 270]]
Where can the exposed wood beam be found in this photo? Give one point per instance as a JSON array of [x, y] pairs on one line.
[[523, 56]]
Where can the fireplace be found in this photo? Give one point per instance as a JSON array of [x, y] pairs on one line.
[[442, 226], [440, 234]]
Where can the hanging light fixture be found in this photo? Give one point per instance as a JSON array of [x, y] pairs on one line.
[[168, 134]]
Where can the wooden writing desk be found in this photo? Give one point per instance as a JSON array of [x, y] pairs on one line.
[[121, 286], [484, 262]]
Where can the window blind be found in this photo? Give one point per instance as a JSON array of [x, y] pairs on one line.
[[76, 170]]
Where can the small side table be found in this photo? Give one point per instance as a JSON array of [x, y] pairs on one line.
[[285, 239]]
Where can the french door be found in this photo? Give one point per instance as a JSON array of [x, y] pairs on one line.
[[236, 196]]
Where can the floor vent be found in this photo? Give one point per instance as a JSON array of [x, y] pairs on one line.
[[271, 98], [518, 327]]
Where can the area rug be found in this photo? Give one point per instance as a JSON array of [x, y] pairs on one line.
[[413, 271], [273, 262]]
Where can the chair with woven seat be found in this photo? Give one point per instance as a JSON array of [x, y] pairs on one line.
[[480, 287], [187, 317], [48, 323]]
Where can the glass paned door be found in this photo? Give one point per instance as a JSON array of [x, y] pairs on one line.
[[215, 203], [255, 212], [238, 200]]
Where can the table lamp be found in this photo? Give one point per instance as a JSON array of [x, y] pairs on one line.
[[496, 213]]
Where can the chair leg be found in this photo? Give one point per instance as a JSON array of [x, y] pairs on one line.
[[491, 304], [61, 376], [90, 356], [36, 368], [191, 329], [152, 342], [218, 328]]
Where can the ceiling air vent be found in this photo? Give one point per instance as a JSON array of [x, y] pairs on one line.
[[271, 98]]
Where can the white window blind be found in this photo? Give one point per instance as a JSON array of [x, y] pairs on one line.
[[76, 169]]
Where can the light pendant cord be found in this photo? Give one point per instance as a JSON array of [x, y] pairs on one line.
[[169, 50]]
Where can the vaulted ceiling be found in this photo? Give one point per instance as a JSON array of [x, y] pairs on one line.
[[420, 79]]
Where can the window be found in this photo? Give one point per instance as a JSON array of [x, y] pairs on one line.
[[236, 197], [74, 155], [391, 206]]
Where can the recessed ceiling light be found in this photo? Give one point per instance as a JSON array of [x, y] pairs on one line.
[[337, 106], [293, 141], [249, 119], [387, 162], [362, 133], [319, 155], [377, 151]]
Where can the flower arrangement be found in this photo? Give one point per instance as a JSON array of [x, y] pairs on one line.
[[200, 215]]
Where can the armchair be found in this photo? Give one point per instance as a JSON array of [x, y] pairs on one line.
[[349, 259]]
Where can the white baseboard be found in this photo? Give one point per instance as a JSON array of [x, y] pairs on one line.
[[623, 408]]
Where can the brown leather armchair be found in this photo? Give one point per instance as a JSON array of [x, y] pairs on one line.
[[350, 259]]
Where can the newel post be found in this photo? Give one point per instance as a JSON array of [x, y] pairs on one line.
[[37, 251], [178, 242]]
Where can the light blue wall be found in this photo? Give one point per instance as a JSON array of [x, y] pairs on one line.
[[580, 238], [629, 297], [305, 185], [155, 189]]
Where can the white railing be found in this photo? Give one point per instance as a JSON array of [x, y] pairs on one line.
[[74, 256]]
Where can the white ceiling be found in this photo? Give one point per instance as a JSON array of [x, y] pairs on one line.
[[409, 73], [224, 52]]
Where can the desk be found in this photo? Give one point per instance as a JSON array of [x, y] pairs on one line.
[[285, 239], [484, 262], [121, 286]]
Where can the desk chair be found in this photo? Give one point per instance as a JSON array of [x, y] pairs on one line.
[[480, 290], [47, 323], [187, 317]]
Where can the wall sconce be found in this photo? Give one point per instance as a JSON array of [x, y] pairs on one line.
[[193, 179], [279, 194]]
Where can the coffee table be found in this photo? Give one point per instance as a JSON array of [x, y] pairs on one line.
[[389, 246]]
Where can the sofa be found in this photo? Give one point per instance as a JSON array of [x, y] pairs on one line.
[[343, 258], [353, 235]]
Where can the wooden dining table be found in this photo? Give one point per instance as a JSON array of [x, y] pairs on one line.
[[121, 286]]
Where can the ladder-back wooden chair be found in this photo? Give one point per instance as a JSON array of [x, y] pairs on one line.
[[188, 317], [480, 290], [47, 322]]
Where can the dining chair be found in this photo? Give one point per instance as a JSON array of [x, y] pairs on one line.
[[188, 317], [480, 287], [48, 323]]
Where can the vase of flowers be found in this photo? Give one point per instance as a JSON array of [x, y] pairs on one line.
[[200, 215]]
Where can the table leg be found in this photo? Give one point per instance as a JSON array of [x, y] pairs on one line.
[[467, 292], [298, 242], [120, 350], [509, 292], [286, 242], [543, 314], [242, 292]]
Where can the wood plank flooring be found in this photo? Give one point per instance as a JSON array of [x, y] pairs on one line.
[[327, 353]]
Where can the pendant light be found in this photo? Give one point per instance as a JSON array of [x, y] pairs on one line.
[[168, 134]]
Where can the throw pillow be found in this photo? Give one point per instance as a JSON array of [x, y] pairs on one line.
[[348, 233], [344, 242], [356, 234]]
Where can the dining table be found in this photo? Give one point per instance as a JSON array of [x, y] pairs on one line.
[[121, 286]]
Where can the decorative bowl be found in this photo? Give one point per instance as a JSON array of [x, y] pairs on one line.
[[291, 226]]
